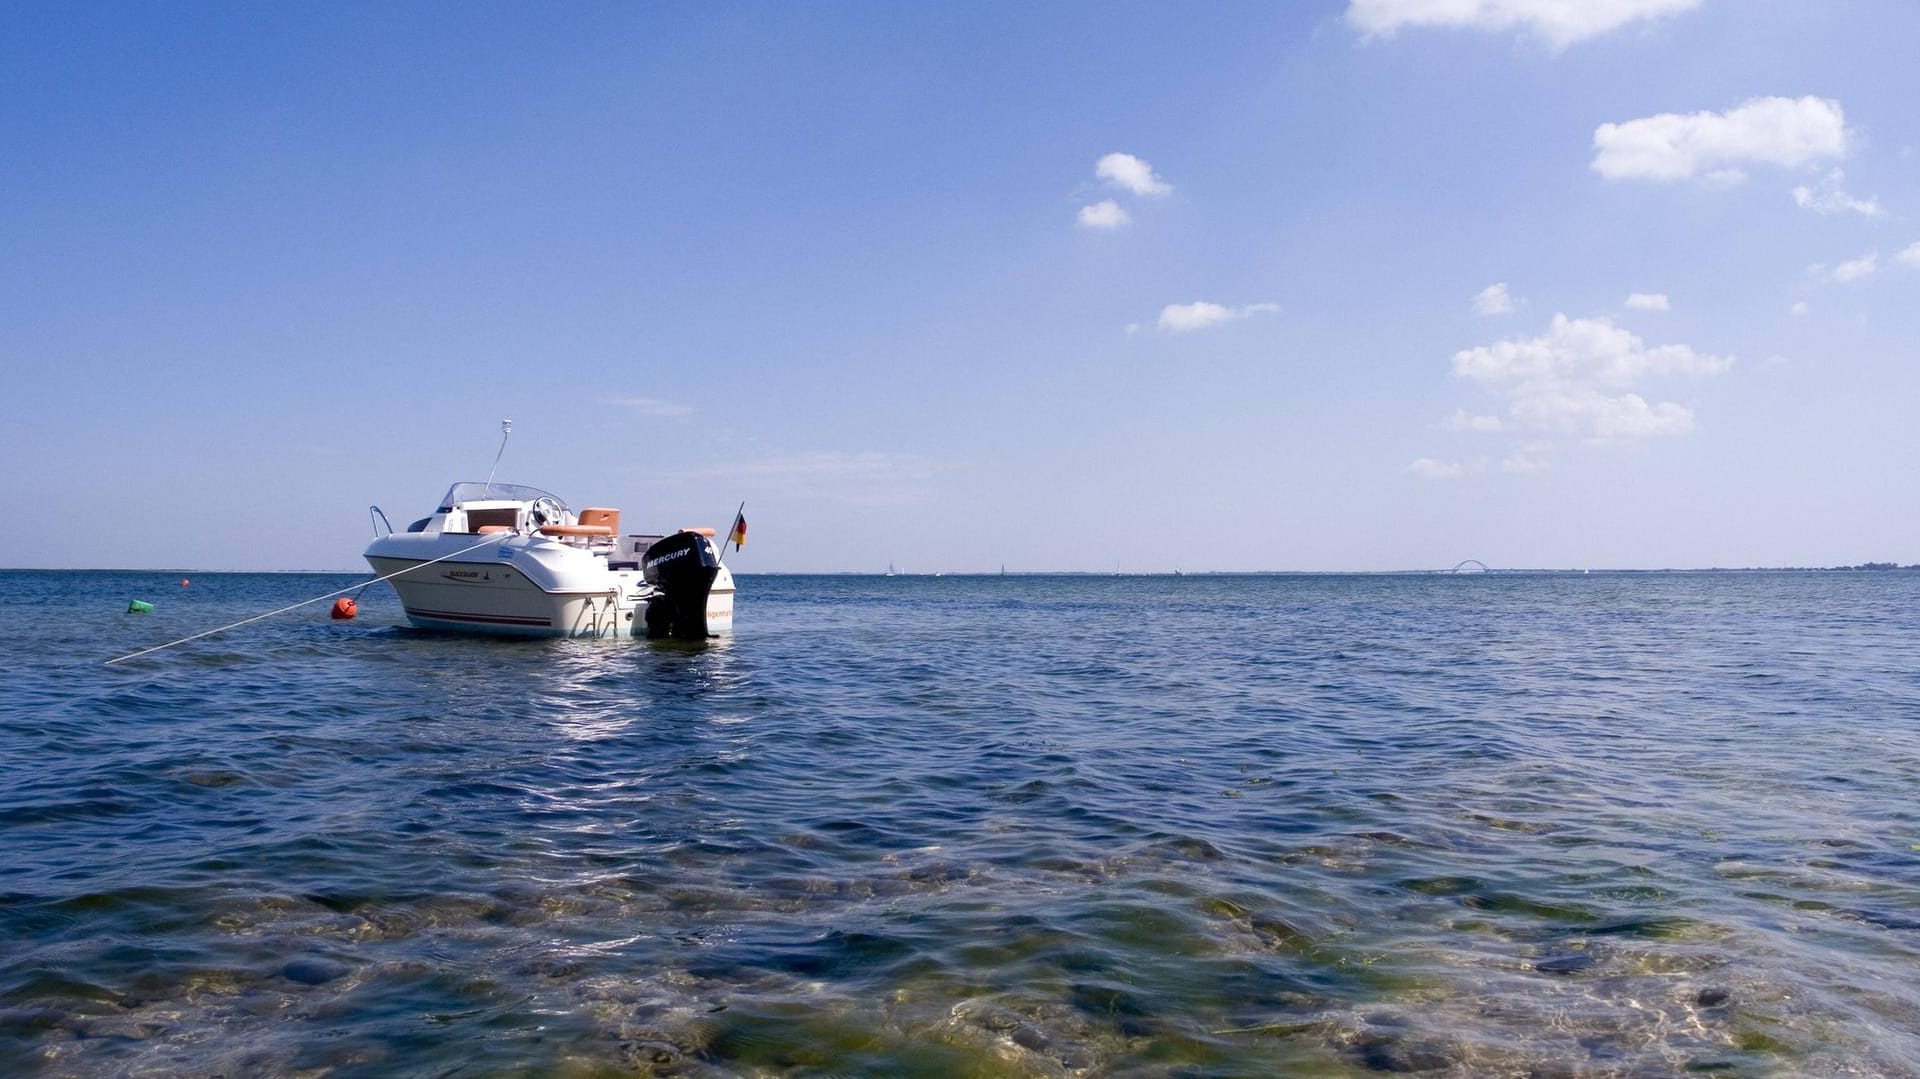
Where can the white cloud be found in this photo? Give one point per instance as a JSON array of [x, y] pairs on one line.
[[1589, 350], [1868, 265], [1851, 270], [1183, 317], [1462, 420], [1493, 300], [1857, 269], [1428, 468], [1648, 301], [1560, 22], [1791, 132], [1129, 172], [1105, 214], [1799, 308], [1577, 378], [1180, 318], [1524, 462], [649, 406], [1830, 197], [1583, 410]]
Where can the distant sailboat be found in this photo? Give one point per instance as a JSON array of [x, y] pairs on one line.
[[889, 572]]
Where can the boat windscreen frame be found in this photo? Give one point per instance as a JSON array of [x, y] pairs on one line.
[[474, 491]]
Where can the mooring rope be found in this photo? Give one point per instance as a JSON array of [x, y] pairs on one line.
[[316, 599]]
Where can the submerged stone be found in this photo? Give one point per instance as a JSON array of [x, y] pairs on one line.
[[313, 970], [1385, 1054], [1565, 964]]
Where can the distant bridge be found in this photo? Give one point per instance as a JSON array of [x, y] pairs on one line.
[[1471, 565]]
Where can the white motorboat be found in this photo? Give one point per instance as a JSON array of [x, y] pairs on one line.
[[507, 559]]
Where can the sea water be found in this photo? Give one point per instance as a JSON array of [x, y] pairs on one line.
[[1606, 824]]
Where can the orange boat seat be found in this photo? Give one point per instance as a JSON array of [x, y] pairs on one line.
[[601, 515]]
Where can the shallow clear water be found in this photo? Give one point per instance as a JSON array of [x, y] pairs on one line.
[[1473, 825]]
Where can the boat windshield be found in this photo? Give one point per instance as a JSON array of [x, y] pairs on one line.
[[482, 492]]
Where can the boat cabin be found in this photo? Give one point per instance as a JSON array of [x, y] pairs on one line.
[[486, 508]]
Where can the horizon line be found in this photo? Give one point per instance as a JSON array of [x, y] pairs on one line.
[[1440, 572]]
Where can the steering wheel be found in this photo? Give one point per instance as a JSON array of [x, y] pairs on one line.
[[547, 511]]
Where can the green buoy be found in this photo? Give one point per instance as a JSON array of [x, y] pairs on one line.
[[139, 606]]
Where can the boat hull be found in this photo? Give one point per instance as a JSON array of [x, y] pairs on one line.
[[523, 587], [491, 598]]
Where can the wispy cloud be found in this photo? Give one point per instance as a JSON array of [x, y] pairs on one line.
[[1856, 270], [1430, 469], [1198, 315], [1790, 132], [1525, 461], [1559, 22], [1493, 300], [1105, 214], [1462, 420], [1130, 173], [862, 477], [1851, 272], [1830, 197], [1648, 301], [650, 406]]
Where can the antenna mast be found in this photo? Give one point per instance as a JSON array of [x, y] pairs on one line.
[[506, 429]]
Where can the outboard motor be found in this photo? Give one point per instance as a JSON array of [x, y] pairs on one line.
[[682, 567]]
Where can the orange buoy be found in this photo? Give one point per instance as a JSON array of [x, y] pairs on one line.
[[344, 608], [183, 582]]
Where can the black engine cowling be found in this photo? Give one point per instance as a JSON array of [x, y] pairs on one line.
[[682, 567]]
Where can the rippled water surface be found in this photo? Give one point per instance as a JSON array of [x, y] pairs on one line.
[[1021, 826]]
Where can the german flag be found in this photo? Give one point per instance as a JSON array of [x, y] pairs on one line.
[[739, 533]]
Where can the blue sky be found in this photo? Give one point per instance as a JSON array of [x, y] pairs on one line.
[[1305, 286]]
